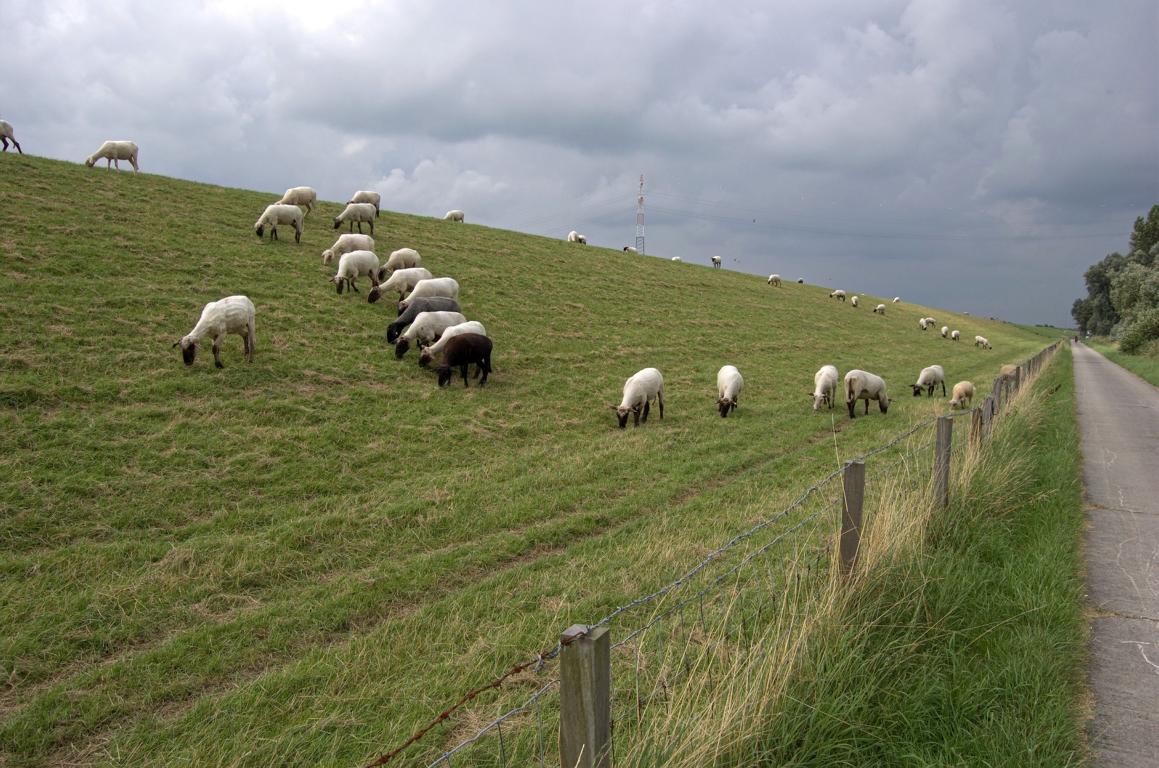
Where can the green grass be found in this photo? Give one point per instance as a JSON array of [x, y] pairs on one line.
[[299, 560], [1145, 364]]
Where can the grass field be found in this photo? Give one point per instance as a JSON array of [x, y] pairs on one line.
[[1144, 365], [298, 560]]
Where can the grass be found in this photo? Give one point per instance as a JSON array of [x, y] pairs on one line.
[[301, 559], [1144, 365]]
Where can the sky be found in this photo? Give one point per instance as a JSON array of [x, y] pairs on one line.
[[974, 155]]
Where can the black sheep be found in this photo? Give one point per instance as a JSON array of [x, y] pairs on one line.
[[461, 351], [432, 304]]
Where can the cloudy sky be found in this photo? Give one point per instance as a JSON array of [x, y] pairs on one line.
[[970, 154]]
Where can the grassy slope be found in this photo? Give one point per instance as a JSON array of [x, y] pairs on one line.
[[299, 559], [1145, 365]]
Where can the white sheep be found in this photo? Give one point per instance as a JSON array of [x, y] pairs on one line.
[[932, 321], [455, 215], [677, 259], [729, 384], [426, 328], [401, 280], [630, 249], [855, 301], [838, 294], [403, 258], [366, 196], [963, 394], [639, 391], [345, 244], [955, 335], [112, 151], [434, 286], [923, 323], [356, 213], [354, 265], [775, 280], [861, 385], [276, 214], [6, 136], [982, 341], [715, 262], [430, 352], [304, 197], [576, 237], [879, 309], [897, 299], [945, 331], [825, 387], [233, 314], [928, 379]]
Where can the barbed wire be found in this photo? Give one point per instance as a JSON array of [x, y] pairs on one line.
[[445, 758]]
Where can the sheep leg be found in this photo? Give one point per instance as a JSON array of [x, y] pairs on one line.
[[217, 352], [486, 365], [867, 406], [250, 338], [647, 408], [943, 388], [372, 226], [133, 160], [852, 406], [5, 141], [636, 416], [360, 227], [463, 370], [298, 234], [660, 402]]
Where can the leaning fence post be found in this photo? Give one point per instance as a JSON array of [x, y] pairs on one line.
[[987, 415], [976, 426], [853, 484], [1017, 378], [996, 393], [942, 461], [585, 709]]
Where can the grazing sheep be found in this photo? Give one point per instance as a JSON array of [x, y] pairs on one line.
[[431, 304], [429, 353], [366, 196], [945, 331], [932, 321], [838, 294], [277, 214], [729, 383], [576, 237], [347, 243], [426, 328], [676, 259], [928, 379], [630, 249], [824, 387], [1007, 371], [897, 299], [304, 197], [923, 324], [800, 281], [356, 213], [402, 280], [639, 390], [403, 258], [855, 301], [963, 394], [775, 280], [860, 385], [6, 136], [111, 152], [434, 286], [233, 314], [460, 352], [982, 341], [955, 335], [455, 215], [879, 309], [715, 262], [354, 265]]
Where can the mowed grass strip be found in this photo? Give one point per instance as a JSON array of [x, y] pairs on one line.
[[1145, 365], [176, 537]]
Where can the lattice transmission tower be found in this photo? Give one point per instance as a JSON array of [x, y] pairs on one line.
[[640, 218]]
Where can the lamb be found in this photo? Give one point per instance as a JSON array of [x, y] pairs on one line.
[[775, 280], [347, 243], [838, 294], [428, 353], [729, 383], [945, 331], [576, 237], [277, 214], [860, 385], [676, 259], [427, 327], [304, 197], [460, 352], [111, 152], [403, 281], [928, 379], [715, 262], [955, 335], [855, 301], [356, 213], [824, 387], [879, 309], [403, 258], [6, 136], [982, 341], [630, 249], [963, 394], [233, 314], [639, 390], [455, 215], [431, 304], [366, 196], [354, 265], [434, 286]]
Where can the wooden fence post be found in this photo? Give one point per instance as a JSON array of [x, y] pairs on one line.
[[585, 705], [853, 484], [987, 415], [976, 426], [996, 394], [942, 461], [1017, 378]]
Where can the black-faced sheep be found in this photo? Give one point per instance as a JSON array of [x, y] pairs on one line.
[[461, 352], [430, 304], [861, 385], [111, 152], [303, 197], [729, 383], [277, 214], [928, 379], [639, 391], [356, 213], [6, 136], [233, 314]]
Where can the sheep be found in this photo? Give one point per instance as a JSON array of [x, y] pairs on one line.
[[945, 331], [347, 243], [982, 341], [1008, 371], [879, 309], [112, 151], [715, 262], [824, 387], [838, 294], [403, 281], [923, 324], [932, 321], [800, 281], [430, 304], [460, 352], [276, 214], [6, 136], [676, 259], [354, 265], [860, 385], [427, 327], [576, 237], [366, 196], [403, 258], [630, 249], [775, 280], [455, 215], [897, 299], [729, 383], [963, 394], [855, 301], [928, 379], [428, 353], [435, 286], [639, 390], [356, 213], [233, 314], [304, 197], [955, 335]]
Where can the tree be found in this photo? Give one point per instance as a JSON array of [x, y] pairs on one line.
[[1145, 236]]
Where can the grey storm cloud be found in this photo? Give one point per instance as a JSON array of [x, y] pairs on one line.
[[973, 154]]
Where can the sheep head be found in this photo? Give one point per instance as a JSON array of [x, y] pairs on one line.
[[188, 350], [400, 347]]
